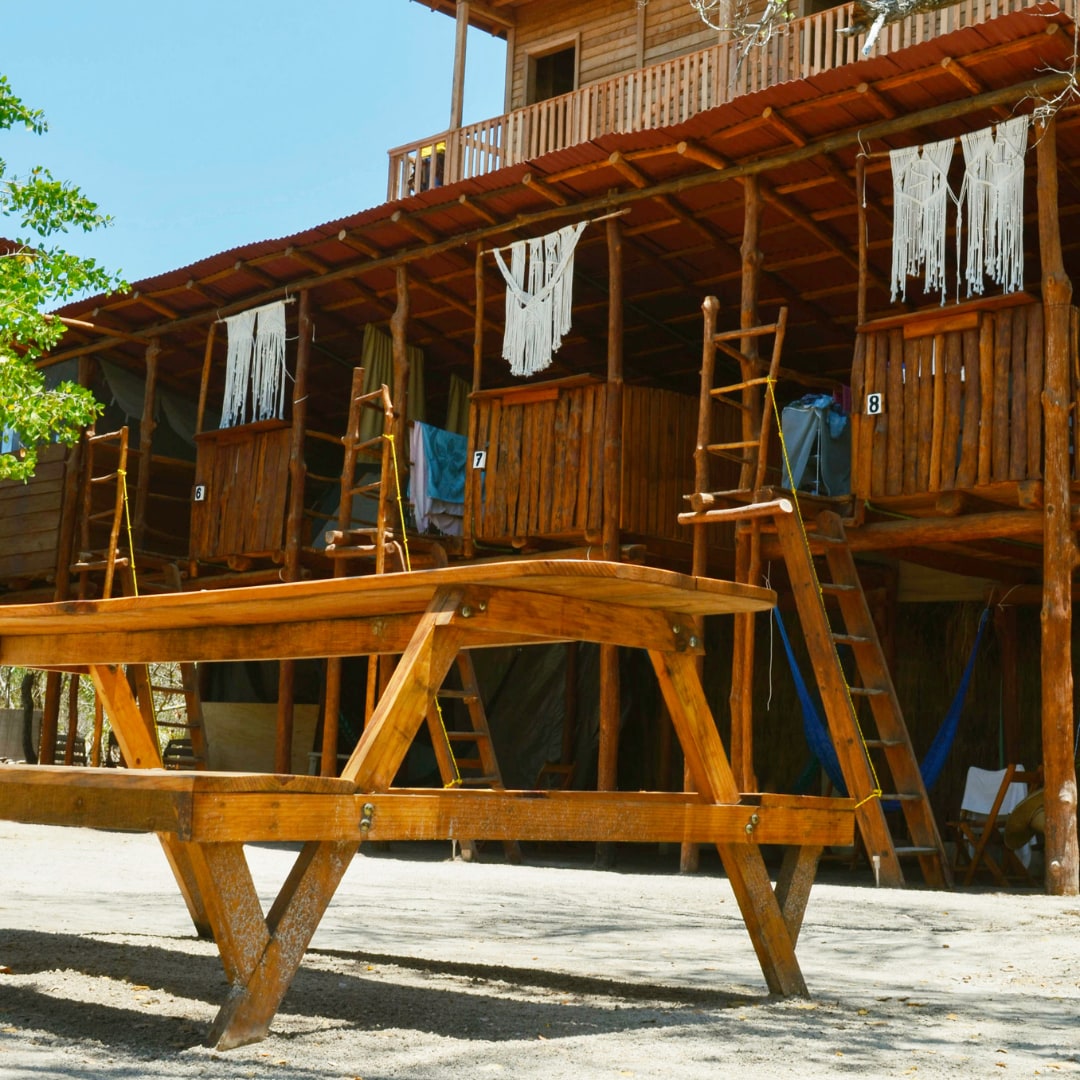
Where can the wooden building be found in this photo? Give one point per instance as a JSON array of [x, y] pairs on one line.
[[760, 177]]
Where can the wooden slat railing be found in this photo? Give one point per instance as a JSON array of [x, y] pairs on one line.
[[669, 93]]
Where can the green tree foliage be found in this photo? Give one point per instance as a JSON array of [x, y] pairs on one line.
[[36, 273]]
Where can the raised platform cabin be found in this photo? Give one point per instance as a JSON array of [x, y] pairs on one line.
[[921, 365]]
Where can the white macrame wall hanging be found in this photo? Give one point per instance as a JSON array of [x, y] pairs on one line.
[[920, 200], [255, 365], [539, 297], [994, 187]]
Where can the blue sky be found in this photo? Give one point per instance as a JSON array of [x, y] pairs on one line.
[[200, 126]]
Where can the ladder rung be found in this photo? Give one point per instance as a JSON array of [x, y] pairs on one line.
[[836, 587], [866, 691], [103, 479], [458, 695], [102, 515], [104, 564], [479, 781], [910, 851], [715, 448], [750, 331], [467, 736], [882, 744], [718, 391], [901, 798], [851, 639]]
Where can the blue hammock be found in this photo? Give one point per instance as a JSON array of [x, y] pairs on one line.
[[817, 734]]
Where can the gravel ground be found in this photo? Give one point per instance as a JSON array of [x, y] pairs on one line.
[[429, 968]]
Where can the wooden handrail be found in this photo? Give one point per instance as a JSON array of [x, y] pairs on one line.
[[670, 93]]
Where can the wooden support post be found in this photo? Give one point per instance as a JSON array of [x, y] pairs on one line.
[[399, 325], [72, 719], [689, 853], [146, 434], [864, 258], [474, 476], [204, 381], [294, 527], [1008, 642], [607, 769], [457, 91], [1059, 544], [747, 535]]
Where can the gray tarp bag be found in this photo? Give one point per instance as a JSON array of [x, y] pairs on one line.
[[818, 439]]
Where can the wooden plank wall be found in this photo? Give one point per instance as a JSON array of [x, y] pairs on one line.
[[246, 474], [609, 36], [963, 404], [30, 519], [659, 432], [544, 472]]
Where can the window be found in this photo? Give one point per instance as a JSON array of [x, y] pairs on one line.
[[551, 73]]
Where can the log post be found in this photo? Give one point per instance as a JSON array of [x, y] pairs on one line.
[[457, 91], [69, 524], [607, 772], [147, 423], [473, 476], [747, 535], [864, 257], [399, 323], [294, 526], [1059, 545], [204, 380]]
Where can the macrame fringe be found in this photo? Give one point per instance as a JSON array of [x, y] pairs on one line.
[[920, 199], [994, 186], [255, 365], [538, 314]]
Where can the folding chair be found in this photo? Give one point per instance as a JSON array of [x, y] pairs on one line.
[[989, 796]]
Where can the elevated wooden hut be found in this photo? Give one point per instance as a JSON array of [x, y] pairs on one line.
[[701, 168]]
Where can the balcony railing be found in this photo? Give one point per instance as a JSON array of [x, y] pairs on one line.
[[667, 94]]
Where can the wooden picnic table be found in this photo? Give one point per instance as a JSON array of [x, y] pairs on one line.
[[203, 819]]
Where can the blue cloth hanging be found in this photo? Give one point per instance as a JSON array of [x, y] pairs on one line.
[[820, 742]]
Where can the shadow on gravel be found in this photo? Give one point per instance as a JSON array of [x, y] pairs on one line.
[[478, 1007]]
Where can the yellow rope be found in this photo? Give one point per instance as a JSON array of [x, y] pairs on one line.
[[877, 792], [456, 782]]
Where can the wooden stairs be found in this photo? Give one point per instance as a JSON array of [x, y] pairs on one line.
[[864, 718]]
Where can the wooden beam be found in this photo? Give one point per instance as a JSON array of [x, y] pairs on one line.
[[1059, 543]]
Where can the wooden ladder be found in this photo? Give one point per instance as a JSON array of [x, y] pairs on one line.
[[93, 559], [889, 743], [751, 450], [478, 767]]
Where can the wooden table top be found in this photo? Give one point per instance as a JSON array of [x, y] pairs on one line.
[[387, 594]]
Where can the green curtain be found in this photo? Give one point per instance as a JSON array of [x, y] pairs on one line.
[[457, 406], [378, 363]]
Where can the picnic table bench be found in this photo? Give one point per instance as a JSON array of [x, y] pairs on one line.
[[204, 819]]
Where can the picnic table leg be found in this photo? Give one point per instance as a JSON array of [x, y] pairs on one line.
[[713, 778], [284, 936], [139, 746], [793, 884]]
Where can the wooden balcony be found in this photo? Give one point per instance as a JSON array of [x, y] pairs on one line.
[[666, 94]]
